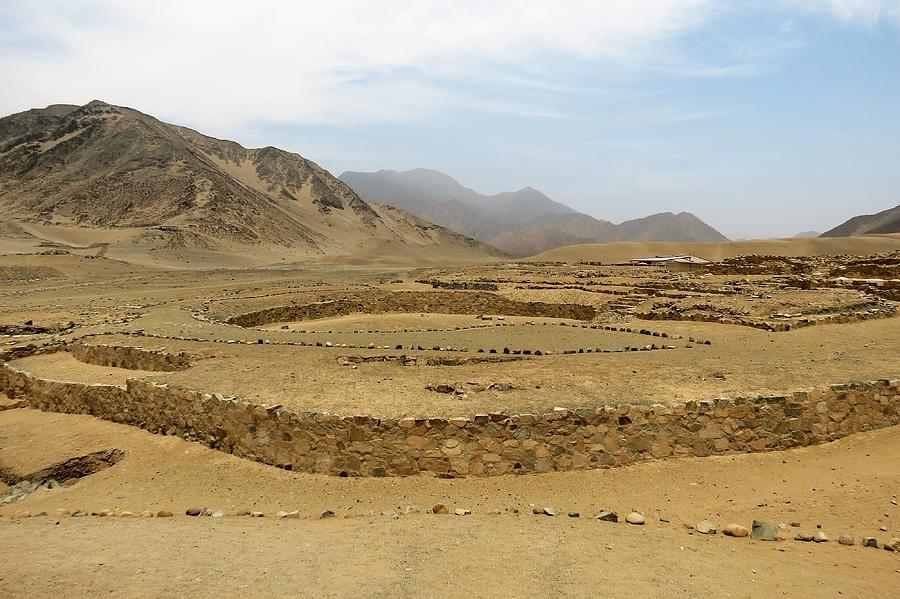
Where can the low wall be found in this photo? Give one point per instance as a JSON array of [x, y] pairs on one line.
[[132, 358], [485, 444], [449, 302]]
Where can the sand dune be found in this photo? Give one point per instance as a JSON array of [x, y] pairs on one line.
[[618, 252]]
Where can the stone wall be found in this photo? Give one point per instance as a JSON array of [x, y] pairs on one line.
[[486, 444], [455, 302], [132, 358]]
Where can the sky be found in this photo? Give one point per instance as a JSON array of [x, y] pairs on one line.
[[763, 118]]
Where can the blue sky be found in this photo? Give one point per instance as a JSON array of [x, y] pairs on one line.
[[763, 118]]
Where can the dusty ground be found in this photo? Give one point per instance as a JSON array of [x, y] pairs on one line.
[[847, 486]]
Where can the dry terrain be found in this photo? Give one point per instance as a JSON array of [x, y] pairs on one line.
[[460, 344]]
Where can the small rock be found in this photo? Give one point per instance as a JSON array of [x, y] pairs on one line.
[[763, 531], [257, 514], [440, 508], [549, 511], [736, 530], [820, 537], [706, 528], [194, 511], [326, 514], [164, 514], [462, 512], [574, 515], [635, 518], [893, 545], [217, 514], [804, 537], [608, 516], [846, 540], [126, 514], [146, 514], [242, 513], [105, 513], [870, 542]]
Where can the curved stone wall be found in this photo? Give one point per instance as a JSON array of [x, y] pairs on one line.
[[132, 358], [457, 302], [486, 444]]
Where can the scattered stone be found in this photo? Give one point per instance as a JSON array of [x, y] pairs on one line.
[[574, 515], [326, 514], [242, 513], [893, 545], [635, 518], [146, 514], [126, 514], [663, 519], [804, 537], [462, 512], [194, 511], [736, 530], [164, 514], [763, 531], [821, 537], [549, 511], [440, 508], [608, 516], [295, 515], [706, 528], [79, 514], [257, 514], [870, 542], [105, 513], [846, 540], [217, 514]]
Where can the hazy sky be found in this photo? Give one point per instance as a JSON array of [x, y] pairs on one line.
[[763, 118]]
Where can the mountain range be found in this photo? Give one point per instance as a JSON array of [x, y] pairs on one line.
[[521, 223], [104, 167], [886, 221]]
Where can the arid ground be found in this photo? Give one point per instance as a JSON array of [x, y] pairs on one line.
[[415, 344]]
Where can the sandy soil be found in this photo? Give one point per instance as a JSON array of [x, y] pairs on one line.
[[804, 246], [846, 487]]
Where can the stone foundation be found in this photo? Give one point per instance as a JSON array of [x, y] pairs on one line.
[[486, 444], [132, 358], [456, 302]]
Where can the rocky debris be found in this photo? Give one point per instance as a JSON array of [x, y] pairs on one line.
[[574, 515], [821, 537], [635, 518], [163, 514], [257, 514], [217, 514], [282, 515], [146, 514], [870, 542], [462, 512], [326, 514], [846, 540], [194, 511], [608, 516], [105, 513], [736, 530], [803, 537], [548, 511], [126, 514], [763, 531], [440, 508], [706, 528], [893, 545]]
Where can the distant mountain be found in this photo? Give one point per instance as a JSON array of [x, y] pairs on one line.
[[887, 221], [522, 223], [105, 166], [807, 234]]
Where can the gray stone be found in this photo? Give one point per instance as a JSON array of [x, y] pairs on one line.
[[846, 540], [607, 516], [870, 542], [706, 528], [804, 537], [194, 511], [574, 515], [549, 511], [763, 531], [821, 537]]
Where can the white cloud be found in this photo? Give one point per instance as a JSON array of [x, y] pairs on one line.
[[336, 61]]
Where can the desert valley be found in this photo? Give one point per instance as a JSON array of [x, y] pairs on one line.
[[226, 371]]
